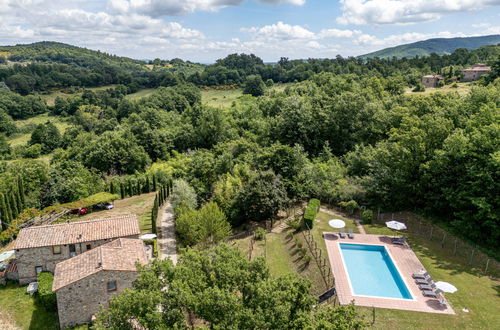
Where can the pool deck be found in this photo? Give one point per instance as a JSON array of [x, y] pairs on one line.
[[406, 262]]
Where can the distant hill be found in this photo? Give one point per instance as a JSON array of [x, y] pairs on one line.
[[439, 46]]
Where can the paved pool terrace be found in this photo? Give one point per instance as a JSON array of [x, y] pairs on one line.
[[406, 262]]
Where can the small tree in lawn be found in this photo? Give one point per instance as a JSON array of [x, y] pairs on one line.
[[147, 187], [154, 183], [254, 86], [130, 188], [122, 190]]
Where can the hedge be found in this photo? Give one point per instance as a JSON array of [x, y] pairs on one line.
[[310, 212], [45, 296], [367, 216]]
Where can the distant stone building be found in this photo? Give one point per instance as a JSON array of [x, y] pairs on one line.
[[87, 282], [40, 248], [474, 73], [431, 80]]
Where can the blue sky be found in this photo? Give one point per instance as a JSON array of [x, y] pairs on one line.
[[204, 30]]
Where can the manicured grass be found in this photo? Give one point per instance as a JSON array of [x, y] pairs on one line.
[[462, 89], [140, 205], [140, 94], [220, 98], [278, 255], [23, 138], [17, 308]]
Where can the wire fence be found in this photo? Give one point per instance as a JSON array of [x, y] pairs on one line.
[[468, 254]]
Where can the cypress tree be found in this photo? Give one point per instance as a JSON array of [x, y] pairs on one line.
[[138, 187], [146, 187], [8, 210], [18, 201], [3, 211], [13, 205], [130, 189], [168, 191], [20, 189], [122, 190], [112, 187], [154, 182]]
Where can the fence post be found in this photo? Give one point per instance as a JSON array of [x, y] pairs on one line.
[[442, 242], [471, 256], [487, 264], [455, 249]]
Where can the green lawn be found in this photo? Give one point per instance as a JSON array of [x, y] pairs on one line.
[[220, 98], [23, 138], [22, 310], [140, 205], [462, 89], [140, 94]]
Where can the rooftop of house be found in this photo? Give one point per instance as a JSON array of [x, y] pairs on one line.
[[433, 76], [119, 255], [479, 67], [77, 232]]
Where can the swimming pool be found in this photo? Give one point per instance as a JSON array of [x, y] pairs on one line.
[[372, 272]]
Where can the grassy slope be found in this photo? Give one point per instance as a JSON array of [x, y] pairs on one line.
[[140, 94], [220, 98], [23, 138], [139, 205], [462, 89], [22, 309]]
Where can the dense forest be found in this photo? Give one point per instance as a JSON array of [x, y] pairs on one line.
[[343, 131]]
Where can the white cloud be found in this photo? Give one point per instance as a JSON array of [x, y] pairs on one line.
[[404, 38], [366, 12], [280, 31], [157, 8], [336, 33]]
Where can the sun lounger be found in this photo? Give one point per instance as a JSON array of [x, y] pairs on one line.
[[351, 233], [424, 281], [442, 302], [429, 293], [420, 275], [398, 240], [427, 287], [342, 233]]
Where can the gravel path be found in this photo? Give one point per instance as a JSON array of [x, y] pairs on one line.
[[166, 242]]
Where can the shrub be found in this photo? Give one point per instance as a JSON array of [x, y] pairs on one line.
[[455, 85], [299, 244], [260, 234], [295, 224], [419, 88], [303, 251], [154, 244], [350, 206], [307, 259], [310, 212], [367, 216], [45, 296]]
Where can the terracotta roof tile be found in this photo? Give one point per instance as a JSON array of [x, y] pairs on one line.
[[77, 232], [121, 254]]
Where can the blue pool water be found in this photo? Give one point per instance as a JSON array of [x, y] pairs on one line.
[[372, 272]]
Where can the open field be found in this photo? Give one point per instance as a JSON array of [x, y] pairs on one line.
[[19, 309], [462, 89], [140, 205], [140, 94], [23, 138], [220, 98], [50, 98]]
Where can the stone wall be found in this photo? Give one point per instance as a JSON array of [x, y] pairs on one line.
[[473, 75], [28, 259], [79, 301]]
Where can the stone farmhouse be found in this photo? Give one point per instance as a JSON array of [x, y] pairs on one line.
[[431, 80], [87, 282], [474, 73], [40, 248]]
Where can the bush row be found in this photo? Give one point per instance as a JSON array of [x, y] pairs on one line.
[[310, 212], [45, 296]]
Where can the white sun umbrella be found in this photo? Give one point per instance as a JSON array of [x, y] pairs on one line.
[[446, 287], [396, 225], [336, 223]]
